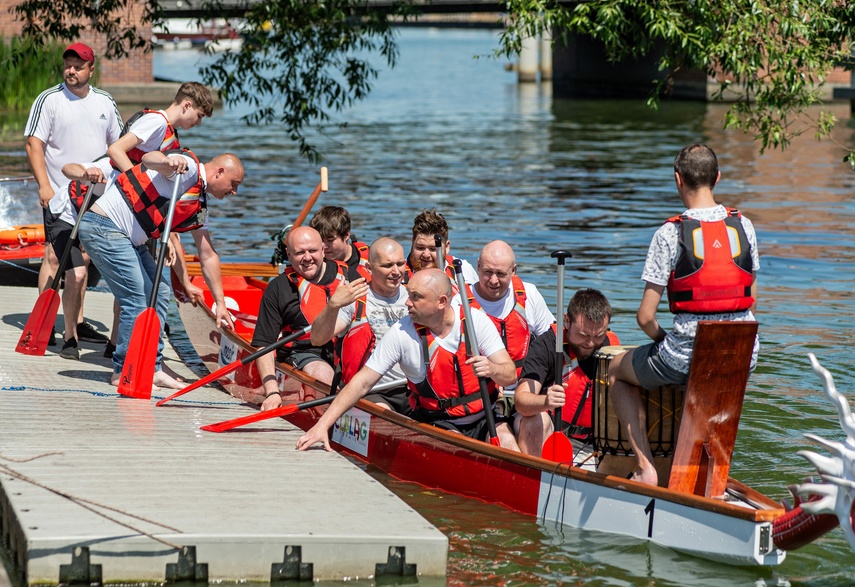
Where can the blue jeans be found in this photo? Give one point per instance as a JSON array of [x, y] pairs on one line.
[[129, 272]]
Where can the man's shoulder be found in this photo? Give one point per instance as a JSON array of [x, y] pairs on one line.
[[102, 94]]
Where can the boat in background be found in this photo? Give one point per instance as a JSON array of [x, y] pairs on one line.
[[740, 526]]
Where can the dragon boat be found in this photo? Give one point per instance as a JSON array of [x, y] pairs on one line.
[[701, 511]]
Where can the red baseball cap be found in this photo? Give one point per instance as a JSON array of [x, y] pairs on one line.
[[81, 50]]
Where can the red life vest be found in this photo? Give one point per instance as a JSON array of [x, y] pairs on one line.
[[77, 191], [450, 388], [150, 207], [514, 329], [578, 389], [313, 297], [170, 140], [358, 263], [713, 271], [357, 344]]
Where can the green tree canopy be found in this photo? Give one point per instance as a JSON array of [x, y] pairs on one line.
[[306, 60]]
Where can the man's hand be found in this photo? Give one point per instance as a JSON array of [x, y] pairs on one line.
[[45, 195], [347, 293], [194, 294], [271, 402], [224, 317], [482, 366], [555, 397], [178, 163], [316, 434], [171, 254], [95, 175]]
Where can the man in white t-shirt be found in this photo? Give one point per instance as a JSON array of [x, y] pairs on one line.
[[707, 259], [428, 346], [360, 314], [69, 123]]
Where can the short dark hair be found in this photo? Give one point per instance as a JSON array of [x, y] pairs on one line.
[[590, 303], [697, 166], [197, 93], [331, 221], [430, 222]]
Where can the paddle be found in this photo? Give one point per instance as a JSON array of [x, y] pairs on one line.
[[274, 413], [37, 331], [277, 412], [557, 447], [440, 257], [321, 187], [138, 371], [471, 348], [235, 364]]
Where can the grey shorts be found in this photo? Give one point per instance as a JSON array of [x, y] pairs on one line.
[[651, 371]]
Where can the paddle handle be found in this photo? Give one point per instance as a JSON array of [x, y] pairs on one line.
[[322, 186], [440, 252], [471, 342], [274, 413], [560, 255], [66, 254], [221, 372]]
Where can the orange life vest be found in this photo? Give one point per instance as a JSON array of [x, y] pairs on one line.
[[578, 389], [150, 208], [357, 344], [170, 140], [359, 268], [313, 297], [450, 388], [514, 329], [713, 271]]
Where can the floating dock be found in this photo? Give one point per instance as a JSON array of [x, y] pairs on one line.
[[97, 488]]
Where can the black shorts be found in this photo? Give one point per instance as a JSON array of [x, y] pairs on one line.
[[477, 429], [396, 398], [58, 234], [299, 358]]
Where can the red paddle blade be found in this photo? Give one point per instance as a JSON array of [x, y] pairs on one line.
[[274, 413], [203, 381], [557, 448], [138, 372], [37, 331]]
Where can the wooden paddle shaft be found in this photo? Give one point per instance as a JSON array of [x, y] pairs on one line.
[[323, 186]]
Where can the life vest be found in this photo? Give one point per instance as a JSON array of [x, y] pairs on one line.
[[450, 388], [170, 140], [357, 265], [354, 348], [514, 329], [313, 297], [578, 390], [713, 270], [150, 207]]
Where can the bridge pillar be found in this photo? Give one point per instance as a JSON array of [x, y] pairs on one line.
[[529, 58], [546, 56]]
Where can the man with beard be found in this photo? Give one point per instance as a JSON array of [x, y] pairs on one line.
[[429, 346], [423, 253], [293, 301], [586, 329], [360, 314], [69, 123]]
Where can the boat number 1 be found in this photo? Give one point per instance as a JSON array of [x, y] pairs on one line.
[[649, 511]]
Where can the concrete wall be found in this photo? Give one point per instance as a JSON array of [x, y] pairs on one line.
[[137, 68]]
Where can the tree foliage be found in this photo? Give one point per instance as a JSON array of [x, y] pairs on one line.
[[772, 56], [307, 60]]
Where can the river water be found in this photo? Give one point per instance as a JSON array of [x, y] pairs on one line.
[[500, 160]]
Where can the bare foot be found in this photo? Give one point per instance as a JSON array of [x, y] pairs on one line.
[[648, 476], [170, 373], [164, 380], [114, 381]]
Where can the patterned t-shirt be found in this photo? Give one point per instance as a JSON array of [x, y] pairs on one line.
[[676, 349]]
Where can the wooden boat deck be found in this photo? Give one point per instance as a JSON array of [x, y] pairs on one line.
[[98, 487]]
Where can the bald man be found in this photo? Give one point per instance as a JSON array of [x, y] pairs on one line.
[[132, 210], [433, 327], [360, 314], [292, 301]]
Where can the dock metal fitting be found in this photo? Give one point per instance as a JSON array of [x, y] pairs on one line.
[[80, 571], [187, 569], [292, 567], [396, 564]]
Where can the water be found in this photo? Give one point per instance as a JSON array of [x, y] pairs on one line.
[[595, 177]]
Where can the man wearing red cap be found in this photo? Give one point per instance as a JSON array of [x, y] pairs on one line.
[[69, 123]]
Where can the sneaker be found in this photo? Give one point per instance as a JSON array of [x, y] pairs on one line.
[[109, 350], [70, 350], [52, 340], [87, 333]]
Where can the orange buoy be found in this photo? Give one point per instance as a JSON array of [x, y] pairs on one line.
[[22, 235]]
